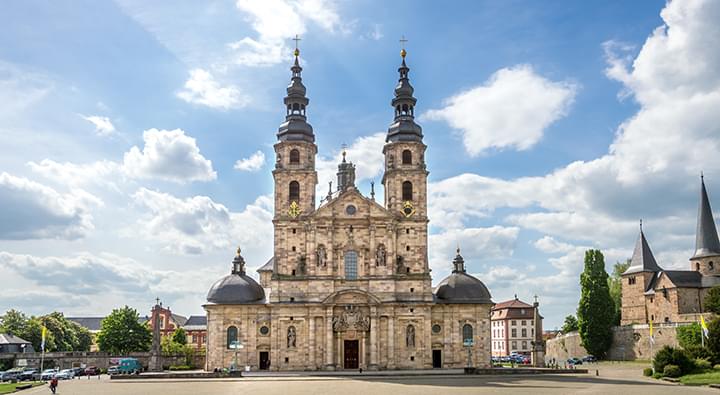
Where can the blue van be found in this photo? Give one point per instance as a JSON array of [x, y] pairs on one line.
[[129, 366]]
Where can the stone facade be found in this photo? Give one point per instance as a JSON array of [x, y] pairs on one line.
[[349, 285]]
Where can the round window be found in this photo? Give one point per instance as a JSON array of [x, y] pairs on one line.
[[436, 328], [264, 330], [350, 210]]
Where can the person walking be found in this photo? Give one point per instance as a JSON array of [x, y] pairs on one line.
[[53, 384]]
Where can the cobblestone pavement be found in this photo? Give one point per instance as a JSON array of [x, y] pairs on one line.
[[610, 380]]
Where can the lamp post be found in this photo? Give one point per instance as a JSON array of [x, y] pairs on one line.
[[468, 343], [236, 345]]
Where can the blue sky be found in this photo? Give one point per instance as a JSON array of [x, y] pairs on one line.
[[137, 136]]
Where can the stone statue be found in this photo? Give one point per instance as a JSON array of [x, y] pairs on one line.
[[291, 336], [302, 266], [321, 256], [410, 336], [351, 318], [380, 255]]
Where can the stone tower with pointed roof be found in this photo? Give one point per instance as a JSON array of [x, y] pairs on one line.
[[349, 283], [651, 293]]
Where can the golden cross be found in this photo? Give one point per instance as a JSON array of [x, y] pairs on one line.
[[296, 39]]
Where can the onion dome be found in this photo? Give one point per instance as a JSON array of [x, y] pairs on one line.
[[236, 288], [295, 127], [404, 127], [460, 287]]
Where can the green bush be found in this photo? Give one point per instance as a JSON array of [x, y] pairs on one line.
[[657, 375], [647, 372], [702, 364], [698, 351], [180, 367], [673, 356], [672, 371], [716, 367]]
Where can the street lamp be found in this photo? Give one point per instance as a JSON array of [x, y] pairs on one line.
[[236, 345], [468, 343]]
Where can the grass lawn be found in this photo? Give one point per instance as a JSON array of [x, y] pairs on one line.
[[700, 378], [8, 388]]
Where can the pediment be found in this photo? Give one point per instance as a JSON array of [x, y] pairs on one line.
[[364, 207], [351, 297]]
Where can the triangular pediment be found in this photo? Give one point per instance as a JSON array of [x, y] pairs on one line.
[[342, 206]]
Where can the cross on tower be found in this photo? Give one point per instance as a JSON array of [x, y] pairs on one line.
[[403, 41], [297, 39], [157, 301]]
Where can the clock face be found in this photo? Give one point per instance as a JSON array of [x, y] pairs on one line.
[[350, 210], [408, 210]]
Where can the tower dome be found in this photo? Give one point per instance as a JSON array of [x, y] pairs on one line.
[[460, 287], [237, 287]]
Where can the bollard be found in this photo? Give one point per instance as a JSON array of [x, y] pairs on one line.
[[597, 373]]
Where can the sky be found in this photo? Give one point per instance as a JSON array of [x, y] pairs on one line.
[[136, 137]]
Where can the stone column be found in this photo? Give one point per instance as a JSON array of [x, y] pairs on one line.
[[329, 363], [374, 328], [391, 339], [311, 340]]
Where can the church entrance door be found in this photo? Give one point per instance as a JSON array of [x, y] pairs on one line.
[[264, 360], [351, 354], [437, 358]]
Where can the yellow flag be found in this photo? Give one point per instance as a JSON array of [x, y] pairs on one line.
[[703, 325], [42, 343], [652, 338]]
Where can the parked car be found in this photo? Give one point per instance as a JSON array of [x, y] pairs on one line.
[[12, 374], [27, 374], [78, 371], [47, 374], [130, 366], [65, 374], [589, 358], [574, 361], [92, 371], [113, 370]]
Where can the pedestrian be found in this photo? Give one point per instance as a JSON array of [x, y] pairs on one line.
[[53, 384]]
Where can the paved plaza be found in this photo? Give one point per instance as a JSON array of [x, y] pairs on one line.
[[611, 380]]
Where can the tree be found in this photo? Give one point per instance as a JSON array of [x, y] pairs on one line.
[[179, 336], [121, 332], [62, 334], [570, 324], [14, 322], [689, 335], [713, 339], [596, 310], [712, 300], [615, 286]]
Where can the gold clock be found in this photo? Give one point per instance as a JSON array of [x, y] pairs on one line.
[[408, 209], [294, 209]]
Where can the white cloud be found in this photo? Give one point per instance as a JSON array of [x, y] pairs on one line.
[[34, 211], [478, 245], [276, 21], [103, 125], [365, 152], [202, 88], [376, 33], [168, 155], [67, 173], [20, 89], [254, 163], [197, 224], [511, 110]]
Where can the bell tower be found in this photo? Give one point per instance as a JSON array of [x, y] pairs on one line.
[[295, 176], [405, 180]]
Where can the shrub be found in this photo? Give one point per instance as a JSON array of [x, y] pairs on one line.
[[673, 356], [647, 372], [672, 371], [702, 364], [180, 367], [698, 351], [716, 367], [657, 375]]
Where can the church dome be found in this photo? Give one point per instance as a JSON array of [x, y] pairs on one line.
[[236, 288], [460, 287]]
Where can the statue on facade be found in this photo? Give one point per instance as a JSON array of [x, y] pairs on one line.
[[291, 337], [410, 336], [321, 256], [380, 255]]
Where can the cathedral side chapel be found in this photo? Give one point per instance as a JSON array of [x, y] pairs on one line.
[[349, 284]]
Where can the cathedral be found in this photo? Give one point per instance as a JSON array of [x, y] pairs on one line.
[[653, 294], [348, 286]]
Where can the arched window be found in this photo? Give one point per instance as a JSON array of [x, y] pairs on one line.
[[711, 265], [294, 156], [407, 157], [697, 267], [294, 191], [404, 109], [232, 336], [351, 265], [407, 192], [467, 333]]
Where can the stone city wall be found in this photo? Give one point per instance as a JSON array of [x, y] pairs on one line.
[[629, 343], [66, 360]]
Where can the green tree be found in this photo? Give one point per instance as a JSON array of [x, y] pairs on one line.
[[689, 335], [121, 332], [14, 322], [571, 324], [596, 310], [615, 287], [712, 342], [179, 336], [712, 300]]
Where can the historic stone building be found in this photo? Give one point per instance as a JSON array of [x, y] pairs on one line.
[[513, 327], [650, 293], [349, 285]]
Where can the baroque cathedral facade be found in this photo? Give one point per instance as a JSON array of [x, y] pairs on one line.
[[349, 284]]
